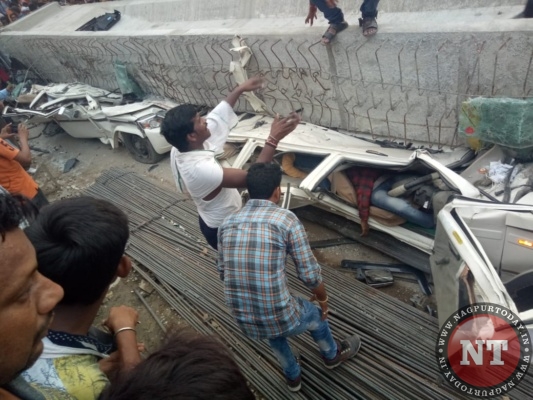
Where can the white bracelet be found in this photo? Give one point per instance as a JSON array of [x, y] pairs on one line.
[[126, 328]]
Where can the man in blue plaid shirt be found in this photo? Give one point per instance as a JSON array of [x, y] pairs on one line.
[[253, 245]]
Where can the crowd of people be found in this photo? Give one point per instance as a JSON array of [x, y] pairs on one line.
[[12, 10], [61, 258]]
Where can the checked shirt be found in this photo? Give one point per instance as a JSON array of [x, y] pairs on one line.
[[253, 246]]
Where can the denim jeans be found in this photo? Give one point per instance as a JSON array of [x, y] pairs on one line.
[[369, 8], [310, 320], [399, 206]]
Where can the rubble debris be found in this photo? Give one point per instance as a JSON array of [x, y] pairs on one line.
[[69, 164]]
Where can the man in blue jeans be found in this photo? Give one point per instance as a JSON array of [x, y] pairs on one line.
[[253, 244], [335, 17]]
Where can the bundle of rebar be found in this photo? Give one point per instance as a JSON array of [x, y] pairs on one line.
[[397, 359]]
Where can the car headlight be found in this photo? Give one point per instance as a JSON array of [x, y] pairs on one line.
[[152, 121]]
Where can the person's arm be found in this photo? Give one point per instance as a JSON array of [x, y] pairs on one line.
[[236, 178], [249, 86], [307, 267], [24, 155], [122, 322], [320, 295], [311, 15]]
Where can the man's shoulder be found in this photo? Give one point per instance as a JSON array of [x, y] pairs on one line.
[[5, 147], [283, 214], [80, 373]]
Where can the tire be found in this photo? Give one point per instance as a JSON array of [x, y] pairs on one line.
[[141, 149]]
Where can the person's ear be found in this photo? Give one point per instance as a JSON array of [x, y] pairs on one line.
[[277, 195], [191, 137], [124, 267]]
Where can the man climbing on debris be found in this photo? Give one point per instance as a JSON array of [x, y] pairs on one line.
[[335, 17], [80, 245], [13, 161], [196, 142], [253, 247]]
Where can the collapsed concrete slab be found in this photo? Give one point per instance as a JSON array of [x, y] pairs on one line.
[[407, 83]]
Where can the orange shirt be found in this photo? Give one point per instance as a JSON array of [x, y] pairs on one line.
[[13, 177]]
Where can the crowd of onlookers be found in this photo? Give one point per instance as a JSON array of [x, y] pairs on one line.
[[13, 10]]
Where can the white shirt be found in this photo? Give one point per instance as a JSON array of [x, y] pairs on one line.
[[199, 173]]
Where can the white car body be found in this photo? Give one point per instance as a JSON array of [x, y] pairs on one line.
[[497, 248], [87, 112]]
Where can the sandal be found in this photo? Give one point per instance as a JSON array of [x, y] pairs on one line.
[[332, 31], [369, 25]]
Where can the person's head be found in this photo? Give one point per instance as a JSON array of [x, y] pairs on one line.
[[263, 181], [184, 128], [188, 366], [13, 13], [26, 299], [80, 245]]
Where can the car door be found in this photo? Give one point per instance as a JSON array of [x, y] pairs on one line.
[[461, 268]]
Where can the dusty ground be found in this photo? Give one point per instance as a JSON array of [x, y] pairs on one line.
[[94, 158]]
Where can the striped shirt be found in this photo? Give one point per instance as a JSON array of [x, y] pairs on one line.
[[253, 245]]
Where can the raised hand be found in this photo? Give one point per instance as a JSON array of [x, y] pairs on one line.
[[281, 127], [254, 83]]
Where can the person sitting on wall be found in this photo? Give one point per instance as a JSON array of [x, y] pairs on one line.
[[80, 245], [335, 17]]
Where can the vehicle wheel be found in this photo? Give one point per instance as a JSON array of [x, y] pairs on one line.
[[141, 149]]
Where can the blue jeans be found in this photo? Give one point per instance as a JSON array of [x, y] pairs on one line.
[[399, 206], [369, 8], [310, 320]]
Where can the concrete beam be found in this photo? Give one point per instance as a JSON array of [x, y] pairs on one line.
[[406, 84]]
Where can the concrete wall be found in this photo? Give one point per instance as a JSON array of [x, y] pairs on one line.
[[404, 84]]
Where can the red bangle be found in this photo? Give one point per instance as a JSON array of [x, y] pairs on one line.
[[269, 143]]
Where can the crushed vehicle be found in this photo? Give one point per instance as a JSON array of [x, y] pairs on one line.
[[480, 246], [480, 205], [87, 112]]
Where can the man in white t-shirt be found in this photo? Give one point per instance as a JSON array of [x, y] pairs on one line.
[[197, 140]]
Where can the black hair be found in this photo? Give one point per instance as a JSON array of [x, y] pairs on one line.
[[11, 213], [79, 244], [188, 367], [262, 180], [178, 123]]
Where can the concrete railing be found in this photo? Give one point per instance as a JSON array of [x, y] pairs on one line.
[[405, 84]]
